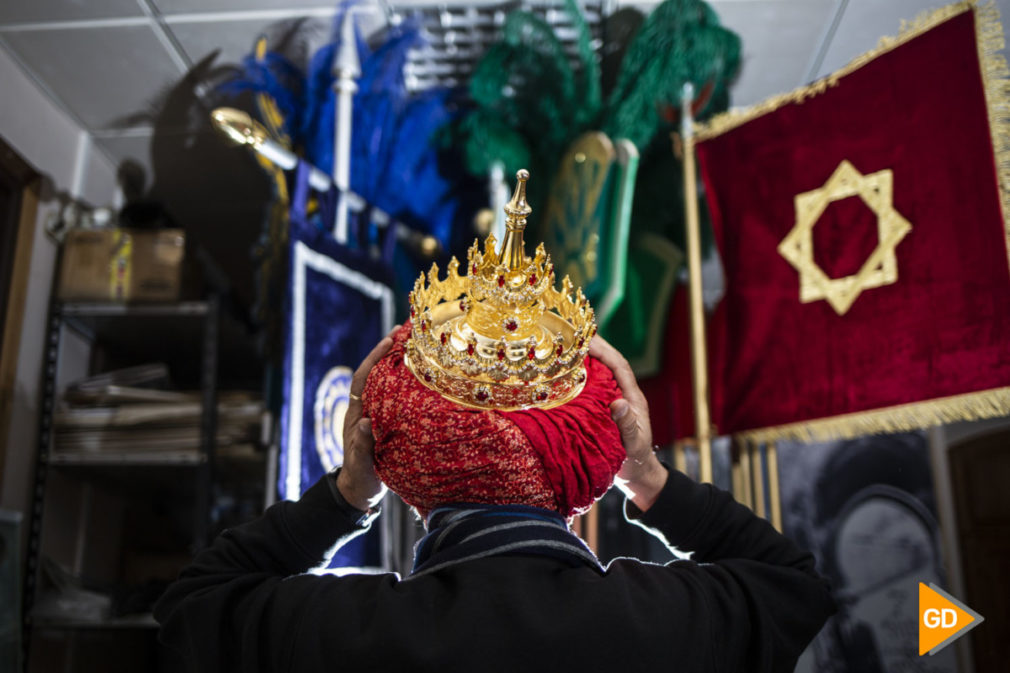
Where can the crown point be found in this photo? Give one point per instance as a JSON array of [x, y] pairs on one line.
[[516, 211], [517, 207]]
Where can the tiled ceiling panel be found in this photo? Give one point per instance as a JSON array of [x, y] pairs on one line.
[[113, 64], [235, 38], [135, 146], [864, 22], [780, 38], [294, 6], [179, 6], [26, 11], [100, 75]]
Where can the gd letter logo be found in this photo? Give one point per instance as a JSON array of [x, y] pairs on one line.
[[942, 619]]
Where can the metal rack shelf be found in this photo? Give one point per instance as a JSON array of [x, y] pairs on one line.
[[114, 309], [128, 458], [187, 336], [139, 332]]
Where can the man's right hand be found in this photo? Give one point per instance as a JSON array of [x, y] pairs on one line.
[[642, 476]]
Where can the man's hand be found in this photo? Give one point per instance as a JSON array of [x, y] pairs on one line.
[[642, 476], [357, 481]]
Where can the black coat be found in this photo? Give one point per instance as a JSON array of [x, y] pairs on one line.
[[750, 600]]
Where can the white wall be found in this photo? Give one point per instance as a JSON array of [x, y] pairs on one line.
[[56, 146]]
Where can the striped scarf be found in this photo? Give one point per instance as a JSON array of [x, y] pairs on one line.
[[460, 533]]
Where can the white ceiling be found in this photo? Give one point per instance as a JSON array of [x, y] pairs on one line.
[[105, 60]]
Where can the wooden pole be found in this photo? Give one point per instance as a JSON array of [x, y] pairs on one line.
[[736, 471], [699, 366], [680, 457], [747, 492], [592, 529], [774, 497], [757, 470]]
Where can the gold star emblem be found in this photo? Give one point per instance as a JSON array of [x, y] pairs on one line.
[[880, 268]]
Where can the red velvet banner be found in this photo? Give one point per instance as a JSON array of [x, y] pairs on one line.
[[942, 327]]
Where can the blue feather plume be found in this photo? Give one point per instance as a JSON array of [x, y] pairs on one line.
[[395, 162]]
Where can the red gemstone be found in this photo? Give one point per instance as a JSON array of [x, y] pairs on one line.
[[424, 325], [412, 314], [443, 338], [469, 349], [501, 281], [481, 395], [462, 306], [473, 268], [427, 378], [551, 270], [541, 396], [581, 341], [501, 354], [532, 354], [560, 350], [533, 279], [511, 325]]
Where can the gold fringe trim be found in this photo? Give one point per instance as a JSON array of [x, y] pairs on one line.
[[993, 403], [727, 121], [996, 82]]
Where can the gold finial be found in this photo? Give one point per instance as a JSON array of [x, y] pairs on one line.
[[513, 254], [238, 126]]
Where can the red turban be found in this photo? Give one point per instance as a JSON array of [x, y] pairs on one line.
[[431, 451]]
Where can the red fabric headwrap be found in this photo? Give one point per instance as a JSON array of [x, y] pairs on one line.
[[431, 451]]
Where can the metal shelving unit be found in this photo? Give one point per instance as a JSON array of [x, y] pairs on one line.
[[194, 328]]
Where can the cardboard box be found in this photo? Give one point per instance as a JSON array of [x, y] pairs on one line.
[[127, 265]]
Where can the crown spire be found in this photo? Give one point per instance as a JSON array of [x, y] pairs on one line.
[[513, 254]]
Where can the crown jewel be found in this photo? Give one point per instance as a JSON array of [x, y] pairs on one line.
[[500, 336]]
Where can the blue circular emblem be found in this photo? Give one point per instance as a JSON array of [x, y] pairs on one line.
[[332, 397]]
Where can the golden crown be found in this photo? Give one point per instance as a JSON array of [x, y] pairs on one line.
[[501, 337]]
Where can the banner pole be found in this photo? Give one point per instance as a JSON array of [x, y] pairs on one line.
[[699, 366], [774, 496], [346, 70], [757, 465]]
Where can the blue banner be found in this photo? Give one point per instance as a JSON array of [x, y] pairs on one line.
[[339, 304]]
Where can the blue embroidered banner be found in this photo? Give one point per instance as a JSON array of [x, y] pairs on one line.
[[339, 303]]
